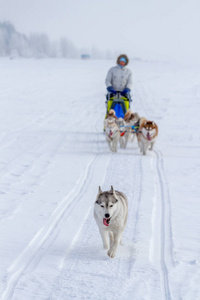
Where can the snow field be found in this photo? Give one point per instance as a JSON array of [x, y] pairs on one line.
[[53, 157]]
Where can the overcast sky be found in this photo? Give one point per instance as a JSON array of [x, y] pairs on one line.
[[163, 29]]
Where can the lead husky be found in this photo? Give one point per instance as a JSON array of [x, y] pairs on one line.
[[111, 213]]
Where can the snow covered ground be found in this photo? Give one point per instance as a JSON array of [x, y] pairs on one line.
[[53, 157]]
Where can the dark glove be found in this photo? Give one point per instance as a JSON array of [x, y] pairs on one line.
[[111, 90], [125, 91]]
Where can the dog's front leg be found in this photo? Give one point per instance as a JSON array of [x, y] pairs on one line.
[[121, 142], [115, 144], [133, 137], [152, 144], [113, 248], [139, 140], [126, 139], [104, 236], [111, 236], [112, 146], [144, 149], [109, 145]]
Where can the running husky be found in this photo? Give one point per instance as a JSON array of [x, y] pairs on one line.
[[111, 213], [148, 133], [130, 119]]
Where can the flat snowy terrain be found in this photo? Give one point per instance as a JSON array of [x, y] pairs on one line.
[[53, 157]]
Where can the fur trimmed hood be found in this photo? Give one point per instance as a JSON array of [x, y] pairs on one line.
[[125, 56]]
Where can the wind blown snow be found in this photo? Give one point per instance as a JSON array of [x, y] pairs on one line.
[[53, 157]]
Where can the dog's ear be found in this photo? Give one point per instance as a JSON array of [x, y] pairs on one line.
[[100, 190], [112, 190], [137, 116]]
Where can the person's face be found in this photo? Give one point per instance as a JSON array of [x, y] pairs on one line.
[[122, 63]]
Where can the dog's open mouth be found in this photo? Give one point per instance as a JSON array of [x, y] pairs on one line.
[[148, 136], [106, 222]]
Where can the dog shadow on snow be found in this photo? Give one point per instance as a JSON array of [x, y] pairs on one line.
[[92, 252], [128, 152]]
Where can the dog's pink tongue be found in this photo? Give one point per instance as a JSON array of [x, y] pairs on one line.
[[104, 222], [148, 136]]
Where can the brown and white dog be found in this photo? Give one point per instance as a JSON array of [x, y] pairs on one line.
[[147, 135], [112, 133], [111, 114]]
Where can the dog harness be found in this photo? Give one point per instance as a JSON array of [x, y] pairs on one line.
[[133, 127], [111, 133]]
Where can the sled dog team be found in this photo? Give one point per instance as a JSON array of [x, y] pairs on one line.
[[111, 207], [124, 130]]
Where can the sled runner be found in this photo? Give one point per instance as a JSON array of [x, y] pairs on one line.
[[119, 103]]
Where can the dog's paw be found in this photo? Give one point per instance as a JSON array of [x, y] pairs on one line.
[[105, 247], [111, 253]]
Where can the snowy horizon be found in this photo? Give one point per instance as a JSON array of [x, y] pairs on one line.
[[153, 30]]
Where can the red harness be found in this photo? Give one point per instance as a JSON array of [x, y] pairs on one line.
[[111, 133]]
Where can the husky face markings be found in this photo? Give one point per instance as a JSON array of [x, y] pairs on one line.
[[111, 128], [111, 213], [147, 136], [149, 130], [106, 209]]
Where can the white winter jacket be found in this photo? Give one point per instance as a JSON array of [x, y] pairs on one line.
[[119, 78]]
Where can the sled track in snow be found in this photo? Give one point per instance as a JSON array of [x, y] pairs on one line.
[[120, 269], [42, 238], [45, 233], [137, 192], [134, 197], [165, 241]]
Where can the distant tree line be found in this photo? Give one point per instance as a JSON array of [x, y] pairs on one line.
[[15, 44]]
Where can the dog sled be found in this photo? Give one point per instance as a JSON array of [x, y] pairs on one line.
[[119, 103]]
